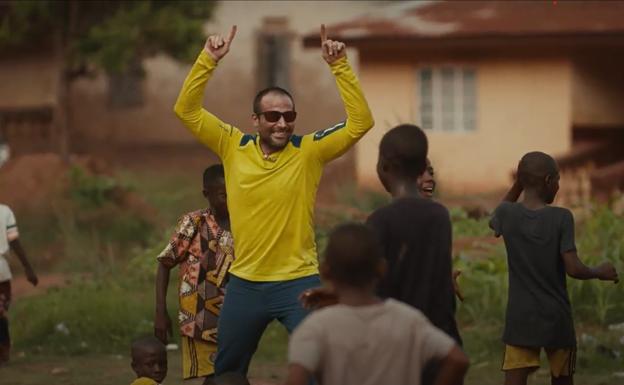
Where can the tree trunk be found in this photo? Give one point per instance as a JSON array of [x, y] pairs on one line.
[[63, 107], [61, 114]]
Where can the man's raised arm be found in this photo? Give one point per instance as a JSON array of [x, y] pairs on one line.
[[334, 141], [205, 126]]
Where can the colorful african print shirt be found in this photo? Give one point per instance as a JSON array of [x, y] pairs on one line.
[[204, 253]]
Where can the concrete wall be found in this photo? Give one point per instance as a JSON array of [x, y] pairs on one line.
[[230, 92], [522, 105], [28, 79]]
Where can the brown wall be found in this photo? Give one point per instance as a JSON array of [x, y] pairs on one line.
[[28, 79], [522, 105], [230, 92]]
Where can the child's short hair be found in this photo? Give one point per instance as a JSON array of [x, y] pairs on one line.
[[147, 343], [213, 173], [352, 255], [406, 146], [534, 167]]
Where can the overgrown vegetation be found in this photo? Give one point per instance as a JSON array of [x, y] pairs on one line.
[[101, 312]]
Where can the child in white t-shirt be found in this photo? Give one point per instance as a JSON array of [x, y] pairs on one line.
[[9, 240], [364, 340]]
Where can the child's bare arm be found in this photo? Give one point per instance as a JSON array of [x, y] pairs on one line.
[[17, 248], [318, 297], [577, 269], [453, 367], [514, 192], [162, 321], [297, 375]]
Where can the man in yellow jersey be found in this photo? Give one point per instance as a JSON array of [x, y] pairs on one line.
[[271, 181]]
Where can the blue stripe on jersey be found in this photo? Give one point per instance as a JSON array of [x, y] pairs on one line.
[[323, 133], [296, 140], [246, 139]]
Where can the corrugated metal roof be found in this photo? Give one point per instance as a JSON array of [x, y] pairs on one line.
[[480, 19]]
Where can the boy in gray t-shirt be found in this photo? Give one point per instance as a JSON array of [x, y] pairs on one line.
[[539, 239], [364, 340]]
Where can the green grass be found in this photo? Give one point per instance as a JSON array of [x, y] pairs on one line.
[[99, 315]]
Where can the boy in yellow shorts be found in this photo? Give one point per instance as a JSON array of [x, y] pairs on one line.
[[539, 239], [203, 248]]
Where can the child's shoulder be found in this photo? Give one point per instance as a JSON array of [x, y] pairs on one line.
[[195, 215], [423, 206], [144, 381]]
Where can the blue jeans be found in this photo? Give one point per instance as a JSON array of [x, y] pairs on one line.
[[248, 308]]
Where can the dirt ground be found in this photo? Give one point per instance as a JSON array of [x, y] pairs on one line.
[[115, 369]]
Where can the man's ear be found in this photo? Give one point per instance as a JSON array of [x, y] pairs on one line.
[[205, 193], [255, 120]]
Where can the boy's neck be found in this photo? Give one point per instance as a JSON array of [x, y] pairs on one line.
[[404, 188], [533, 200], [352, 296], [223, 220]]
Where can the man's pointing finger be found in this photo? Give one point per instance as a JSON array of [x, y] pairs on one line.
[[232, 34]]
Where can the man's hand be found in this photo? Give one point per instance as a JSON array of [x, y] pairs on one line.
[[458, 293], [332, 50], [606, 272], [317, 298], [217, 47], [32, 277], [162, 327]]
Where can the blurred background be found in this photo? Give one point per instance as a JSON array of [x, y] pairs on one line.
[[97, 168]]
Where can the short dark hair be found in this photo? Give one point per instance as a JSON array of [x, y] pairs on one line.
[[352, 255], [270, 90], [146, 343], [406, 147], [534, 167], [212, 173]]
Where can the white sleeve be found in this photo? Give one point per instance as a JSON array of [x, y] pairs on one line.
[[11, 225], [434, 343], [304, 347]]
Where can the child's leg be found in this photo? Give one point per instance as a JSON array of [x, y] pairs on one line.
[[518, 363], [563, 380], [562, 364], [5, 339], [517, 376]]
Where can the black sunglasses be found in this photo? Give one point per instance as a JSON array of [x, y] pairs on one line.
[[274, 116]]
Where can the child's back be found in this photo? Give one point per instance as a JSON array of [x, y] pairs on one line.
[[364, 340], [540, 251], [538, 310], [384, 343], [416, 237]]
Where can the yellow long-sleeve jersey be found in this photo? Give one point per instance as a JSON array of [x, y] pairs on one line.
[[271, 201]]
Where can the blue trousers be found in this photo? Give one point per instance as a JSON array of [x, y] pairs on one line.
[[248, 308]]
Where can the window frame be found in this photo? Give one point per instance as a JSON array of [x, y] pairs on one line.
[[461, 103]]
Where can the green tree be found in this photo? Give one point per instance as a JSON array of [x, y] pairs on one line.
[[111, 36]]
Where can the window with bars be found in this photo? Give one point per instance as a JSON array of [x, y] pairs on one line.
[[274, 41], [448, 98]]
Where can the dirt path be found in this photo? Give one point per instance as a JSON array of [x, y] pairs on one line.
[[22, 288]]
